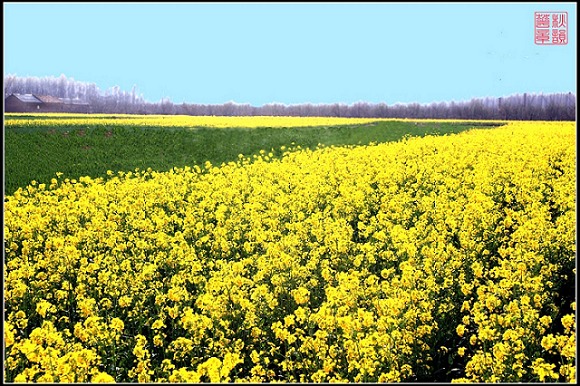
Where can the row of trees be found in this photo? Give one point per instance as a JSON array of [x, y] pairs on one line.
[[113, 100], [555, 106], [561, 106]]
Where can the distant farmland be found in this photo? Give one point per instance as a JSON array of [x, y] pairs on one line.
[[39, 145]]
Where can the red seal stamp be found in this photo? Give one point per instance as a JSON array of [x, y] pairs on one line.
[[551, 28]]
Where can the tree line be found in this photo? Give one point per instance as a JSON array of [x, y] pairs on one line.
[[527, 106]]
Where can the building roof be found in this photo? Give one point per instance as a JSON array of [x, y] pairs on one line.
[[31, 98], [48, 99], [27, 98]]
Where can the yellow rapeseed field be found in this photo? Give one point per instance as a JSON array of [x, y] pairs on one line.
[[379, 263], [181, 120], [71, 119]]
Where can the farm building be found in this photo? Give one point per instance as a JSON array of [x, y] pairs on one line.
[[20, 103], [26, 103], [71, 105]]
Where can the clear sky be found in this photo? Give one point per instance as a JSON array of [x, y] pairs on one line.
[[291, 53]]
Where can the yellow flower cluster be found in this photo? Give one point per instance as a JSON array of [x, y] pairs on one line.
[[379, 263], [51, 356]]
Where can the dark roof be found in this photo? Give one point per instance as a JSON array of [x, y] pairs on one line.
[[48, 99], [31, 98], [27, 98]]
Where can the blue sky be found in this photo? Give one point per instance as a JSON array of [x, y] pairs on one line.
[[291, 53]]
